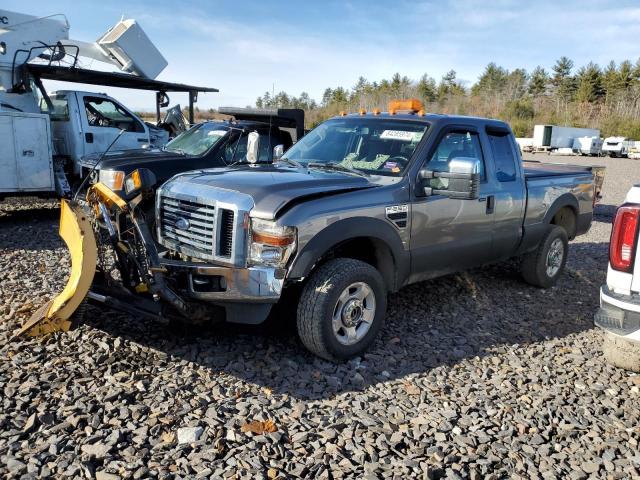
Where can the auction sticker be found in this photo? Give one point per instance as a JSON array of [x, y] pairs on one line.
[[401, 135]]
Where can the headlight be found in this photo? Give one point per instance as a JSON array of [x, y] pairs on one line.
[[114, 179], [271, 244], [140, 180]]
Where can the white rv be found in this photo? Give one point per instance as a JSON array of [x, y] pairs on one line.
[[616, 146], [587, 146]]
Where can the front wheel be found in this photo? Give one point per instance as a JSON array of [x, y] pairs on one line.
[[341, 309], [543, 266]]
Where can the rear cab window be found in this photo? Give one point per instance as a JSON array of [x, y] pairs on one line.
[[503, 154], [58, 110]]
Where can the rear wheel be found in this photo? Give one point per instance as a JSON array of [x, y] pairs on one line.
[[341, 309], [621, 352], [543, 266]]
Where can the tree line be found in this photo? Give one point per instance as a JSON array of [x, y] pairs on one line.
[[590, 96]]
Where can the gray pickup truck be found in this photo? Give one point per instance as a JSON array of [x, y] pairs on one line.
[[360, 207]]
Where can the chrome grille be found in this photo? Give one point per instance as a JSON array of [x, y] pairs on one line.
[[198, 238], [212, 221], [225, 244]]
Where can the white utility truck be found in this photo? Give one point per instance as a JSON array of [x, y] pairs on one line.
[[551, 137], [616, 146], [587, 146], [45, 135]]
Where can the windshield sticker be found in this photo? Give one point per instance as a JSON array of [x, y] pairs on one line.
[[401, 135], [217, 133], [390, 165]]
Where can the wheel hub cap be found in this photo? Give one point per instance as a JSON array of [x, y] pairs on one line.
[[555, 257], [354, 313]]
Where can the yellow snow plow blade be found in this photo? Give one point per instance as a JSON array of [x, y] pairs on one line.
[[77, 233]]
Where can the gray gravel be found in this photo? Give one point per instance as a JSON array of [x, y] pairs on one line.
[[475, 376]]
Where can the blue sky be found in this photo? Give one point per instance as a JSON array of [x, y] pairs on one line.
[[247, 47]]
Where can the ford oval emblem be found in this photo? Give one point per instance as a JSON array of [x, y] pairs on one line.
[[182, 224]]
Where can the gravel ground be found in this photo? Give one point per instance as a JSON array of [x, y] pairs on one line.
[[475, 376]]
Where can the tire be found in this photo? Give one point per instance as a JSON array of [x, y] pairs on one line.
[[537, 265], [620, 352], [339, 294]]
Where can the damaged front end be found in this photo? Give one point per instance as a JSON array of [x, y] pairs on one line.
[[114, 261]]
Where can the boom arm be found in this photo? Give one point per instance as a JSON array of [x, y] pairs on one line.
[[125, 45]]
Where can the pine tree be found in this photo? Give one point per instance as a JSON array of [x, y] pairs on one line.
[[589, 84], [538, 82], [427, 88]]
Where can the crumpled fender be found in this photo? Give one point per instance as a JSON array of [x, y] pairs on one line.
[[77, 233]]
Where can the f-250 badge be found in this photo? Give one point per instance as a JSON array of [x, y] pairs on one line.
[[397, 214]]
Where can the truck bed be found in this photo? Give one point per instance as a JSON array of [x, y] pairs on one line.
[[534, 170]]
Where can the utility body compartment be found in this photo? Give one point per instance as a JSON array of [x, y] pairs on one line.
[[26, 163]]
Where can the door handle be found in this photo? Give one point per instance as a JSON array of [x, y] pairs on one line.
[[491, 204], [142, 140], [27, 153]]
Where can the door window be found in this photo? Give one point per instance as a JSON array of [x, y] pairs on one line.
[[503, 156], [105, 113], [454, 145]]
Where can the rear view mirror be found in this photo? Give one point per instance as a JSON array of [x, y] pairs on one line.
[[461, 181], [278, 151], [253, 147]]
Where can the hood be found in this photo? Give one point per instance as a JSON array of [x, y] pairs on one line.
[[120, 160], [273, 187]]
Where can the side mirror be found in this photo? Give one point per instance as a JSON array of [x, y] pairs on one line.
[[253, 147], [278, 151], [461, 181]]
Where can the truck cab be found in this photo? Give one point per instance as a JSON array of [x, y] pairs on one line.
[[85, 123]]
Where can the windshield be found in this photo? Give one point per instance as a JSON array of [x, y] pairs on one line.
[[380, 146], [198, 139]]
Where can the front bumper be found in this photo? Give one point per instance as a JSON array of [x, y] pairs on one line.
[[220, 284], [619, 314]]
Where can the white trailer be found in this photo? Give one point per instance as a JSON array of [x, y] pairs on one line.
[[587, 146], [552, 137], [616, 146]]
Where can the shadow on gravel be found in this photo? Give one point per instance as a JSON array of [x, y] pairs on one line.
[[430, 324], [604, 213], [29, 214]]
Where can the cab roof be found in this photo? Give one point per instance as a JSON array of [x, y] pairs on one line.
[[433, 118]]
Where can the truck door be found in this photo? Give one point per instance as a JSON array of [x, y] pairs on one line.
[[508, 191], [102, 120], [450, 234]]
